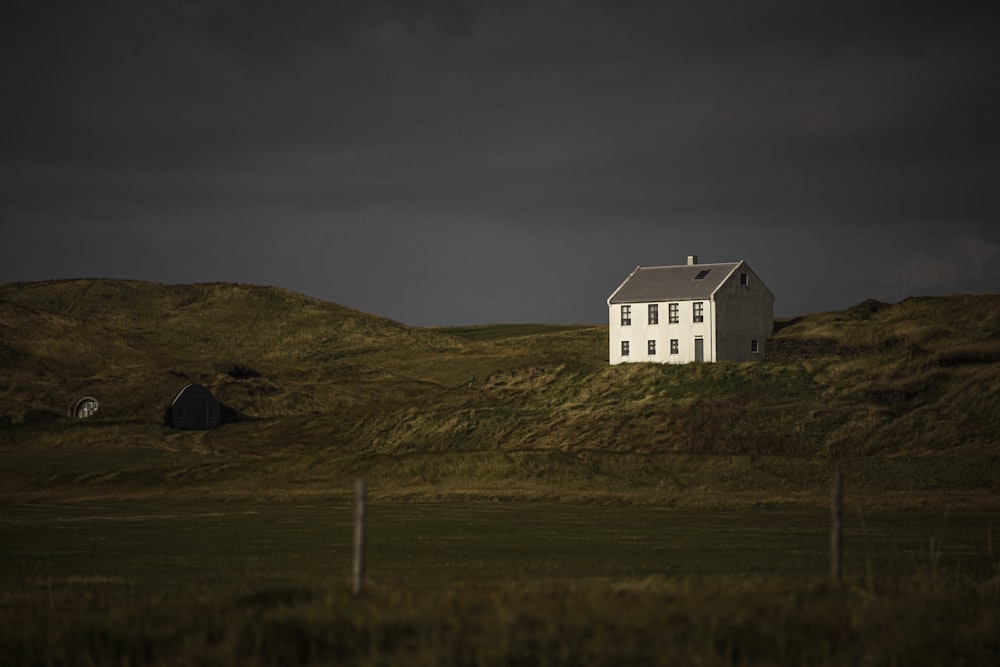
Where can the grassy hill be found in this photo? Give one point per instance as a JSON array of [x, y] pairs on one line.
[[902, 394]]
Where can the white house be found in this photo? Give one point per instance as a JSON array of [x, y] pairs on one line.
[[692, 312]]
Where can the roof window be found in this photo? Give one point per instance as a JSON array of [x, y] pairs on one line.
[[701, 274]]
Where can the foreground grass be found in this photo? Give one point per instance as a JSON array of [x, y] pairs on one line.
[[166, 582], [909, 621]]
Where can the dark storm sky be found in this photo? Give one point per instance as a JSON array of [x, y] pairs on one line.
[[487, 161]]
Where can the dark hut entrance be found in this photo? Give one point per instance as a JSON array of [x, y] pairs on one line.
[[194, 408]]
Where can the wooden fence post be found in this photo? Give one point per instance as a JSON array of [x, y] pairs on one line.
[[358, 578], [836, 529]]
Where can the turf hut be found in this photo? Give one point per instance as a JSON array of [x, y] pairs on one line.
[[195, 409]]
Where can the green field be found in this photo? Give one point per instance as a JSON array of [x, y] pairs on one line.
[[428, 544], [167, 582]]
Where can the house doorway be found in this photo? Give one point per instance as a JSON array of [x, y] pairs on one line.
[[699, 349]]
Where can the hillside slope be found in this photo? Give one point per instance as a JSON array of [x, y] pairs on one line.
[[304, 378], [134, 345]]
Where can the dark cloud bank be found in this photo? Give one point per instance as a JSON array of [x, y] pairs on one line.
[[469, 162]]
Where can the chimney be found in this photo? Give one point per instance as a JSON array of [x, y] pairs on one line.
[[692, 260]]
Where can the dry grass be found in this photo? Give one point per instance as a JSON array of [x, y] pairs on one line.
[[304, 378]]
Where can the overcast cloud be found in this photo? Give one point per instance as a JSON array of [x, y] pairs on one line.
[[487, 161]]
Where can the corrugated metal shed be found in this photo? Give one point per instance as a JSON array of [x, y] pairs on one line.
[[83, 408], [672, 283]]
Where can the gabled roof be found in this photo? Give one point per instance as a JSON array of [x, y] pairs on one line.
[[193, 389], [672, 283]]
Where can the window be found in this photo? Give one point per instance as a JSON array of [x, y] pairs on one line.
[[701, 274], [753, 346], [651, 347], [744, 279], [624, 348], [654, 313], [699, 311], [626, 315], [673, 346], [673, 313]]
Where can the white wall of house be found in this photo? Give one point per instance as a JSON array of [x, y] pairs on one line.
[[640, 332]]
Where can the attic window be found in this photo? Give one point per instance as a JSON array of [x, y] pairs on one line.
[[701, 274]]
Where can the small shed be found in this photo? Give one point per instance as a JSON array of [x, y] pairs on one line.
[[195, 408]]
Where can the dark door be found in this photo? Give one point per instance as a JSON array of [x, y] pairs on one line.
[[199, 412], [699, 349]]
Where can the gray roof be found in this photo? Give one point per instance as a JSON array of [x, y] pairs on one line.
[[672, 283]]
